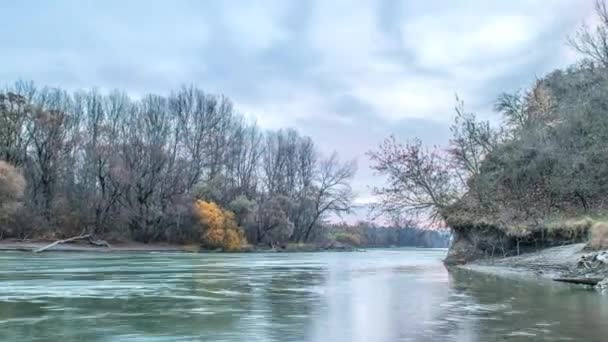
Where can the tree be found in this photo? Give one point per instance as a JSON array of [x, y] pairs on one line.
[[418, 180], [593, 43], [245, 211], [219, 227], [332, 193], [47, 131], [14, 111], [471, 141], [273, 223], [527, 110], [131, 168]]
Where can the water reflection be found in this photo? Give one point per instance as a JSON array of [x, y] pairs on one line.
[[381, 295], [524, 310]]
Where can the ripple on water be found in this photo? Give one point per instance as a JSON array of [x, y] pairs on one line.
[[375, 296]]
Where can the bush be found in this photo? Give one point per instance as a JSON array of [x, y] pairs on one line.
[[348, 238], [219, 228], [598, 237], [12, 185], [572, 229]]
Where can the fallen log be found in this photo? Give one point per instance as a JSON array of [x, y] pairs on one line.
[[82, 236], [580, 281], [79, 237]]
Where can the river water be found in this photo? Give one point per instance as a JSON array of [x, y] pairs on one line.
[[378, 295]]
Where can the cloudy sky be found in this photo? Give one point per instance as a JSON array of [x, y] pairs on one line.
[[347, 73]]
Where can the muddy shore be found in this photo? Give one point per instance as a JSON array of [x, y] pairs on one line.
[[551, 263]]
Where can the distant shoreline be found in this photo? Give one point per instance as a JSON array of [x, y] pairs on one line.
[[136, 247]]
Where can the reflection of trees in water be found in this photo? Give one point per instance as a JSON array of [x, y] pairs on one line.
[[214, 297], [433, 311], [397, 303], [548, 310], [290, 298], [269, 302]]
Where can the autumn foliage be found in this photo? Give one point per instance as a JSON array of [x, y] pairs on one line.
[[218, 227]]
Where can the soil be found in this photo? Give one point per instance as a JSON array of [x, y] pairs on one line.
[[552, 263]]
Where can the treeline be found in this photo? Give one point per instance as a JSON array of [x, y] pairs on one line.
[[525, 182], [367, 234], [134, 168]]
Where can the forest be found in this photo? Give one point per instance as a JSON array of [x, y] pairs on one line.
[[180, 168], [370, 235], [536, 179]]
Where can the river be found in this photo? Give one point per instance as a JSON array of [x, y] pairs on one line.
[[377, 295]]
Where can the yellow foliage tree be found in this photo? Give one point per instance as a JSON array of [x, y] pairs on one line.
[[219, 228]]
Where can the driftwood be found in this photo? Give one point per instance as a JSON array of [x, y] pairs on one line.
[[581, 281], [99, 243], [82, 236]]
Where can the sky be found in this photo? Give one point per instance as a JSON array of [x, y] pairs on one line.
[[346, 73]]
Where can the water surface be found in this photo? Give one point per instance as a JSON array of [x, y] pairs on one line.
[[378, 295]]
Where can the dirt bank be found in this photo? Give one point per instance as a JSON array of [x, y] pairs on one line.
[[551, 263]]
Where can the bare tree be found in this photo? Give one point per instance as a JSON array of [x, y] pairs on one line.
[[107, 163], [593, 43], [14, 111], [331, 194], [524, 110], [418, 180], [471, 141]]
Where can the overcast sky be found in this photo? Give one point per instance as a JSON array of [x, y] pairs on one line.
[[347, 73]]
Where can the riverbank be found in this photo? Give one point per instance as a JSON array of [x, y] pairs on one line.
[[569, 261], [32, 245], [119, 247]]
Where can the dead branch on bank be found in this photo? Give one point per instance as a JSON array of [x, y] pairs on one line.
[[82, 236], [581, 281]]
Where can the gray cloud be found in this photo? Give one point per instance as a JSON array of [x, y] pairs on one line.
[[347, 73]]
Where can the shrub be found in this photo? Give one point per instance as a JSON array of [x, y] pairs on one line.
[[348, 238], [219, 228], [598, 237], [12, 185], [572, 229]]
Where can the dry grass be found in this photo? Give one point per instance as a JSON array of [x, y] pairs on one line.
[[192, 248], [572, 228], [598, 237], [348, 238]]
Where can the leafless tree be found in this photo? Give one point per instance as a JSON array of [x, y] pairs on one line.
[[111, 164], [331, 194], [593, 43], [418, 180]]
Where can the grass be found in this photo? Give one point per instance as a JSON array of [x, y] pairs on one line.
[[598, 236], [570, 228]]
